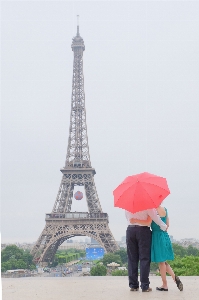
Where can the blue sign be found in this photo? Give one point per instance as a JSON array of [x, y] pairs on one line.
[[94, 253]]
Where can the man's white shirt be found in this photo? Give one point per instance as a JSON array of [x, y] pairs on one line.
[[143, 215]]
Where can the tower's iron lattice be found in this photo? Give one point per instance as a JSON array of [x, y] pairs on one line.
[[61, 223]]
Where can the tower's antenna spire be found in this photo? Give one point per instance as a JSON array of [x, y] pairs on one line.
[[77, 25]]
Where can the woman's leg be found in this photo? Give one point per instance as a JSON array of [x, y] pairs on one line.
[[162, 267], [175, 278], [169, 270]]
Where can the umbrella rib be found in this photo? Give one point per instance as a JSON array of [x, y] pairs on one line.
[[121, 185], [148, 193], [126, 191], [155, 185]]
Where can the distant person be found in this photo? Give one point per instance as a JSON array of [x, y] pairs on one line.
[[138, 240], [161, 248]]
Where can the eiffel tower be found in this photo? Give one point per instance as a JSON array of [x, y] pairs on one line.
[[61, 223]]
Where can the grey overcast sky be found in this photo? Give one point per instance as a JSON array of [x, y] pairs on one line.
[[141, 71]]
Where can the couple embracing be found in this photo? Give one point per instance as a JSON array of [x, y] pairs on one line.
[[145, 245], [141, 196]]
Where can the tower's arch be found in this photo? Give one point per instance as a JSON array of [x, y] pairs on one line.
[[49, 253]]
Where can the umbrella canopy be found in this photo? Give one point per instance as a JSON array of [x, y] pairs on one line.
[[140, 192]]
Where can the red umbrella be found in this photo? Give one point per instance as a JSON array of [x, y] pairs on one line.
[[140, 192]]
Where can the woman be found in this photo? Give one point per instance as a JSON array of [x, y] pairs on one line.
[[161, 248]]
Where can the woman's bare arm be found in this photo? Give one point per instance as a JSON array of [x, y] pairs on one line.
[[167, 222], [142, 222]]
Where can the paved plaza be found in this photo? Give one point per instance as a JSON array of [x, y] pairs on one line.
[[93, 288]]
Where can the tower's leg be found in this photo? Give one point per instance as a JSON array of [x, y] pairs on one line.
[[57, 231], [64, 197], [92, 197]]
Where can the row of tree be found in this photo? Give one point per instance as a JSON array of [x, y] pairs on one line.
[[13, 258], [183, 258], [182, 251], [186, 262], [120, 256], [185, 266], [65, 256]]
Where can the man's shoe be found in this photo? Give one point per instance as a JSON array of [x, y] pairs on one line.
[[134, 290], [148, 290]]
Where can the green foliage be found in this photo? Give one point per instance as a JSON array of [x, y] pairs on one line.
[[192, 251], [98, 270], [182, 251], [123, 255], [111, 257], [179, 250], [13, 258], [66, 256], [186, 266], [185, 263], [27, 257], [54, 263], [119, 273], [96, 261], [61, 259], [11, 252], [81, 253]]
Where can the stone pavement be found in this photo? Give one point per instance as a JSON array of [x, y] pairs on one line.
[[93, 288]]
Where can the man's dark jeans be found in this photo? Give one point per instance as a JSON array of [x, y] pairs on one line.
[[138, 240]]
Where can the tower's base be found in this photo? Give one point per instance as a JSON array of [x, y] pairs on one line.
[[60, 227]]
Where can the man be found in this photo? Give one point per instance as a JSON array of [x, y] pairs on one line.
[[138, 240]]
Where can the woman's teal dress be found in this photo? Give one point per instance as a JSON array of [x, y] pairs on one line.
[[161, 247]]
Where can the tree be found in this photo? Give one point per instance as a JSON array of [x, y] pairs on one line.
[[54, 262], [186, 266], [82, 254], [179, 250], [11, 251], [27, 257], [98, 270], [111, 257], [182, 251], [70, 254], [192, 251], [61, 259], [21, 264], [15, 258], [123, 255]]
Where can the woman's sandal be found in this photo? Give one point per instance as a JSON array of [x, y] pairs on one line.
[[161, 289], [179, 283]]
